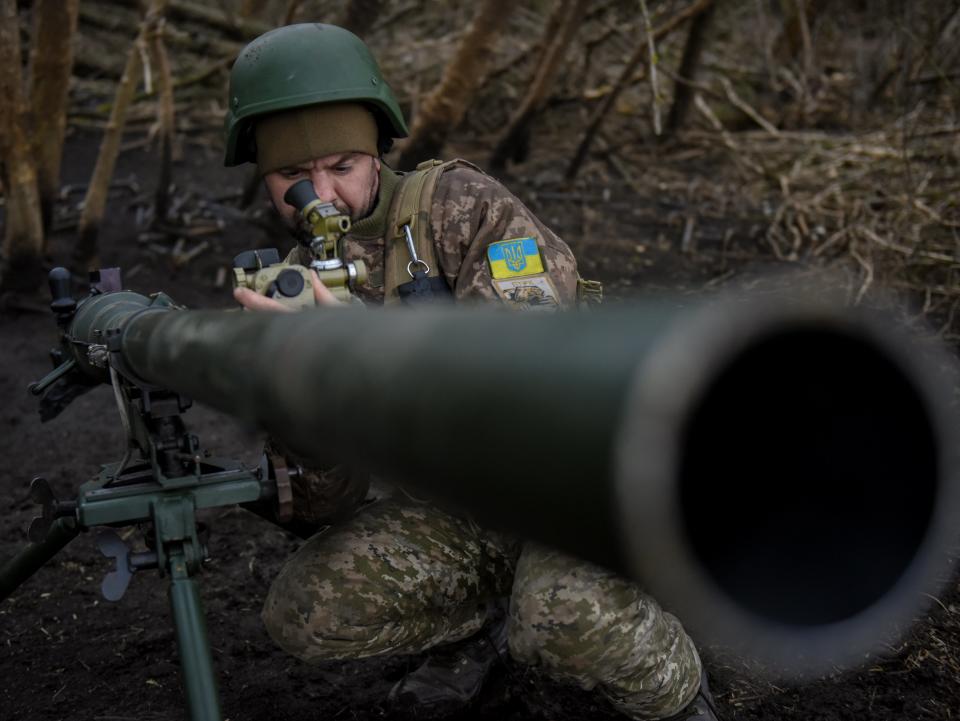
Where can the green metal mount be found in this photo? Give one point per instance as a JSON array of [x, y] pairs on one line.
[[168, 509], [160, 484]]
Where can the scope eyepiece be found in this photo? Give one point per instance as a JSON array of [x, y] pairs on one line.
[[300, 194]]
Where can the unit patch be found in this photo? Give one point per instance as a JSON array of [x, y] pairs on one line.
[[514, 258], [535, 292]]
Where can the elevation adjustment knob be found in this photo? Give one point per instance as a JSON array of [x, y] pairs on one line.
[[51, 509]]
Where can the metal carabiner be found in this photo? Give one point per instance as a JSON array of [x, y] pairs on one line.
[[413, 252]]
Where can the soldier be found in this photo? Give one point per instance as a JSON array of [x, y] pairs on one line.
[[401, 576]]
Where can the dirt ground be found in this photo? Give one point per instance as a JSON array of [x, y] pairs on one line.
[[69, 654]]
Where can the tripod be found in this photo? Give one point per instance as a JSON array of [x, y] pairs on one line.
[[161, 482]]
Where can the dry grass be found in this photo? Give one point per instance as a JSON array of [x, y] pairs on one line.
[[885, 202]]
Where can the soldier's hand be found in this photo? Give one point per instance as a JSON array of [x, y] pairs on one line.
[[254, 301]]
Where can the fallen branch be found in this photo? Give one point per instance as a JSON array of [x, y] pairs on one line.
[[740, 104], [728, 141], [180, 256], [867, 266], [238, 28], [201, 44]]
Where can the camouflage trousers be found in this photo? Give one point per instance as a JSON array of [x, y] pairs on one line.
[[402, 577]]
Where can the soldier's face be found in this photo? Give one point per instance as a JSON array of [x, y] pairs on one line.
[[348, 180]]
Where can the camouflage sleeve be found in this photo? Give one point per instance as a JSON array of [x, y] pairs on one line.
[[489, 245], [320, 495]]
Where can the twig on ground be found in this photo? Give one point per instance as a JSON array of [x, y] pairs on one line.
[[738, 102]]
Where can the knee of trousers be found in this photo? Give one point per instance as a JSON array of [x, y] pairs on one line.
[[346, 595], [586, 624], [319, 616]]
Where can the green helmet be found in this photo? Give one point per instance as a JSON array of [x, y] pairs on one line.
[[299, 65]]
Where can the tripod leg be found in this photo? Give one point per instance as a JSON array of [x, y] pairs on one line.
[[196, 666], [23, 565]]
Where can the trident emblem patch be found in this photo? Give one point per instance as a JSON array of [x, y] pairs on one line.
[[514, 257]]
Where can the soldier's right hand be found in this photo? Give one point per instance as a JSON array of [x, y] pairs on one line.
[[251, 300]]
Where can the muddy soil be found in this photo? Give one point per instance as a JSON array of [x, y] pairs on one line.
[[69, 654]]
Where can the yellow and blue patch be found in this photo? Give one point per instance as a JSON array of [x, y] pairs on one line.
[[514, 258]]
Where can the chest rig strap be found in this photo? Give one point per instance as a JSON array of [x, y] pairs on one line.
[[411, 269]]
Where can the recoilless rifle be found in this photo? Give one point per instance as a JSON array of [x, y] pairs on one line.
[[780, 473]]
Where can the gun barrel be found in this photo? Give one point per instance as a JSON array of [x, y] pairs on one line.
[[778, 474]]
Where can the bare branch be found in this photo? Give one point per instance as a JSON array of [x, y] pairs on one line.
[[560, 31], [694, 9], [443, 110], [652, 64]]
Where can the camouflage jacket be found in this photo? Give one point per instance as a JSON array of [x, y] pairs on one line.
[[476, 225]]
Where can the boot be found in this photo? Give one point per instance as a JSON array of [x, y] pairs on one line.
[[702, 708], [453, 675]]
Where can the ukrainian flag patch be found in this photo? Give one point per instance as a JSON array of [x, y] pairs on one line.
[[514, 258]]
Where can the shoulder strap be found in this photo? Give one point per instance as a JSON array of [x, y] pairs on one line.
[[411, 207]]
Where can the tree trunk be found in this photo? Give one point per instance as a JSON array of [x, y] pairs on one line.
[[23, 237], [790, 40], [639, 55], [85, 251], [51, 63], [689, 64], [444, 108], [561, 30], [359, 15], [165, 117]]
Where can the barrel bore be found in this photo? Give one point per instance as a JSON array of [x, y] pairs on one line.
[[810, 464], [788, 479]]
